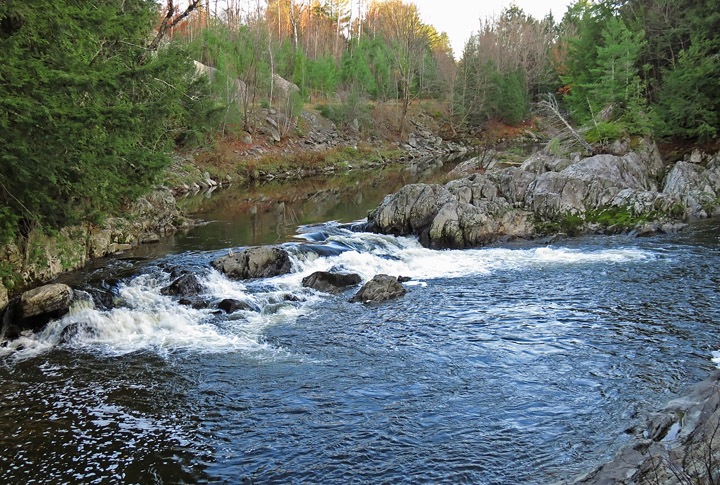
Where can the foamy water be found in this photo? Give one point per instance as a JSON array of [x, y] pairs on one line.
[[146, 320]]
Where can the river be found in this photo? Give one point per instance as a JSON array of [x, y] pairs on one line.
[[517, 363]]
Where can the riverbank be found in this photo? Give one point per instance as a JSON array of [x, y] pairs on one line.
[[38, 257]]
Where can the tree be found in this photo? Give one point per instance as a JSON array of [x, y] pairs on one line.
[[402, 28], [86, 116]]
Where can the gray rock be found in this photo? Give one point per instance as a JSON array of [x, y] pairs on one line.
[[257, 262], [410, 210], [670, 450], [331, 282], [381, 288], [51, 301], [36, 307], [186, 285]]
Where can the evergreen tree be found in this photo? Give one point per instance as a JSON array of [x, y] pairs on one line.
[[85, 114]]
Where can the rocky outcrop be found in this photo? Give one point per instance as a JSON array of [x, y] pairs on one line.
[[40, 257], [678, 444], [381, 288], [257, 262], [411, 210], [601, 193], [185, 286], [331, 282], [697, 187], [36, 307]]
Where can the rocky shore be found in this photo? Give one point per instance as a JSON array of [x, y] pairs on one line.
[[630, 190], [680, 444]]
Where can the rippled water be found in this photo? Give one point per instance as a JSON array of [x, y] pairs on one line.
[[521, 363], [515, 364]]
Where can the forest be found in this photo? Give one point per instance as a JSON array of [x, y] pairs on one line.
[[95, 96]]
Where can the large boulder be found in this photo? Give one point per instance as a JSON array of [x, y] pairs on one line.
[[381, 288], [410, 210], [331, 282], [257, 262], [36, 307], [461, 225], [186, 285]]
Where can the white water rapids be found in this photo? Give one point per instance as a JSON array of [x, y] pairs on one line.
[[145, 320]]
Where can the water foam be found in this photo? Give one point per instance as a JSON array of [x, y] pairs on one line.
[[144, 319], [370, 254]]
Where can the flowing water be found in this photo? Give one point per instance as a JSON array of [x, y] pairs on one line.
[[521, 363]]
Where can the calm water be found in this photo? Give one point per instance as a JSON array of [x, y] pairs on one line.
[[516, 364]]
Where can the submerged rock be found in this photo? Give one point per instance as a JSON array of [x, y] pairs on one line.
[[186, 285], [331, 282], [257, 262], [381, 288]]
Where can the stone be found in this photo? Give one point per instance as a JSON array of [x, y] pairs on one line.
[[186, 285], [410, 210], [381, 288], [36, 307], [256, 262], [231, 305], [49, 300], [331, 282], [3, 297]]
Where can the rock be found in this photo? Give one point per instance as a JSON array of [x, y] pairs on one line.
[[331, 282], [381, 288], [186, 285], [36, 307], [196, 303], [51, 301], [678, 440], [231, 305], [410, 210], [257, 262], [3, 296], [283, 87], [354, 125], [696, 187], [403, 279]]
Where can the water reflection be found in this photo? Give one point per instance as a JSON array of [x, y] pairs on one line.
[[271, 212]]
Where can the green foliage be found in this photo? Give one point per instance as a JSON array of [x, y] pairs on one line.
[[511, 104], [85, 120], [656, 62], [605, 132], [695, 112]]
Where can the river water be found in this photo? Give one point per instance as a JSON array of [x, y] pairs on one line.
[[520, 363]]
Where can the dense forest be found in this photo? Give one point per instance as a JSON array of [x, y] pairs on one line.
[[96, 95]]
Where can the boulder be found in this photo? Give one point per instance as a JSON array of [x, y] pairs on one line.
[[331, 282], [186, 285], [410, 210], [36, 307], [381, 288], [196, 303], [461, 225], [257, 262], [231, 305]]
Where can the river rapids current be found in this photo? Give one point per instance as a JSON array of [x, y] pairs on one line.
[[520, 363]]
